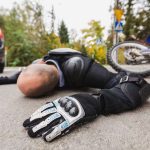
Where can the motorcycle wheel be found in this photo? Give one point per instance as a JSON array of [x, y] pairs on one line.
[[112, 58]]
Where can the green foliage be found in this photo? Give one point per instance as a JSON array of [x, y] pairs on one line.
[[23, 32], [93, 32], [53, 41], [22, 54], [25, 35], [142, 22], [63, 33], [129, 19], [2, 22], [21, 48], [91, 35], [26, 38], [137, 22], [98, 53], [110, 38]]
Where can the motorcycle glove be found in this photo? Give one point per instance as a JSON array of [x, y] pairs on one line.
[[56, 118]]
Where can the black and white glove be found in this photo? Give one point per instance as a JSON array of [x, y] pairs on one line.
[[60, 116]]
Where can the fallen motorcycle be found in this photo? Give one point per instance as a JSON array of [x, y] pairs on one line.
[[130, 56]]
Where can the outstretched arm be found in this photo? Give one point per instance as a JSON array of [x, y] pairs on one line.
[[13, 78], [9, 79]]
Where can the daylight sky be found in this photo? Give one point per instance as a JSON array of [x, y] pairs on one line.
[[75, 13]]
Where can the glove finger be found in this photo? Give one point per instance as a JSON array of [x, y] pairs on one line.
[[56, 131], [44, 126], [42, 108], [38, 117], [28, 124]]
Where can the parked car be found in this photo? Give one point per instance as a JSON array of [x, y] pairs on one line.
[[2, 64]]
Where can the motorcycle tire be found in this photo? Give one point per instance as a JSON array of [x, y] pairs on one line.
[[116, 67]]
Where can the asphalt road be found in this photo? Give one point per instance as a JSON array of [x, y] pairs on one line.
[[125, 131]]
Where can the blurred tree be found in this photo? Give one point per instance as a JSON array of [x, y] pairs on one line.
[[142, 22], [83, 49], [2, 22], [78, 45], [27, 39], [93, 32], [98, 53], [110, 37], [53, 41], [23, 28], [63, 33], [52, 25], [137, 18], [129, 18]]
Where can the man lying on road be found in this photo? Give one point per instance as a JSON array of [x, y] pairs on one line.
[[67, 68], [62, 68]]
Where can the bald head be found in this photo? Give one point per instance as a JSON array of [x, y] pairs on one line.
[[38, 79]]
